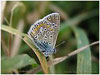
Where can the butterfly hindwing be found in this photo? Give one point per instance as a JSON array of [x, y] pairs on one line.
[[54, 19], [44, 33]]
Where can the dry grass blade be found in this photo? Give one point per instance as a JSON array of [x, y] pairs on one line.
[[11, 30], [10, 35], [3, 4], [60, 59], [10, 43], [30, 44], [39, 55], [4, 46], [12, 50], [17, 40]]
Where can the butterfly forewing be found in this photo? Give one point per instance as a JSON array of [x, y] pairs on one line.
[[45, 31]]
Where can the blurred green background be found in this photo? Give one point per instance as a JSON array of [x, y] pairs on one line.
[[79, 14]]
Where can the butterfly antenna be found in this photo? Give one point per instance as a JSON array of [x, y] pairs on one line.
[[60, 43]]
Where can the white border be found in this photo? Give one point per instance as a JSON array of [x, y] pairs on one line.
[[0, 37], [50, 0], [46, 0], [99, 36]]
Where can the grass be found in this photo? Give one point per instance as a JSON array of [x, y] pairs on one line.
[[75, 31]]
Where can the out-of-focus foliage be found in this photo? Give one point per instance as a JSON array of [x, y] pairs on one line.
[[84, 58], [84, 16], [16, 62]]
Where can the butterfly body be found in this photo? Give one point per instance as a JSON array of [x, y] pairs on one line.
[[44, 33]]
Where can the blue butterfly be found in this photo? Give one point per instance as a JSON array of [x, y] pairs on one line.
[[44, 33]]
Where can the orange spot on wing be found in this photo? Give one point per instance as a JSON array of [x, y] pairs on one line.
[[31, 34], [41, 25]]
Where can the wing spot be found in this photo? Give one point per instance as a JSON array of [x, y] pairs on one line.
[[45, 22], [49, 43], [35, 37], [37, 25], [48, 32], [44, 41], [33, 28], [53, 24], [43, 51], [56, 17], [45, 29], [32, 33], [50, 36], [45, 37], [49, 18]]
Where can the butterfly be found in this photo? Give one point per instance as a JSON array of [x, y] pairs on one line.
[[44, 33]]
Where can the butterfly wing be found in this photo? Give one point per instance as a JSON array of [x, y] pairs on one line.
[[44, 32], [36, 33], [54, 18]]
